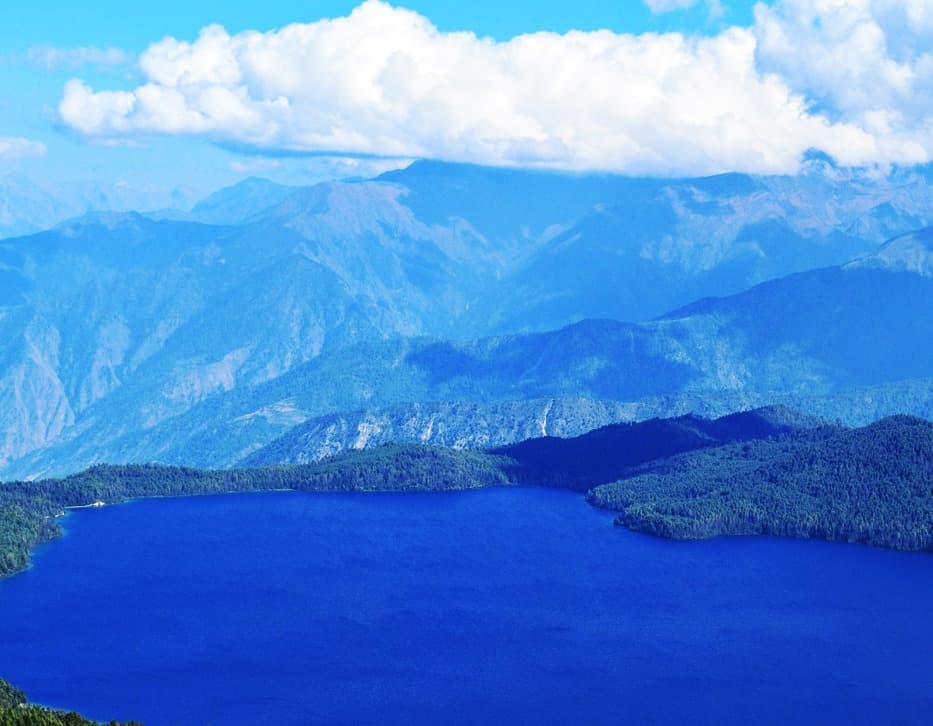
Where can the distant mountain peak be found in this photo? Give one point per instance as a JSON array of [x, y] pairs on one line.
[[908, 253], [777, 416], [243, 200], [108, 220]]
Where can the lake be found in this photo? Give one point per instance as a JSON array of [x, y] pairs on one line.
[[508, 605]]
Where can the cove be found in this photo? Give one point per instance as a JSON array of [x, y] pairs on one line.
[[505, 605]]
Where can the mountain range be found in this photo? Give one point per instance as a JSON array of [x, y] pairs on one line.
[[458, 304], [28, 206]]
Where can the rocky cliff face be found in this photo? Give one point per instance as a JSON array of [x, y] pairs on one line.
[[453, 425]]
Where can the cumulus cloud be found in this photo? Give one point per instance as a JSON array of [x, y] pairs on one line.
[[385, 82], [867, 62], [54, 58], [16, 147]]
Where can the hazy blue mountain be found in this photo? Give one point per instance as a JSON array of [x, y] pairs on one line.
[[423, 276], [132, 338], [457, 425], [812, 339], [580, 247], [241, 201], [864, 405], [659, 247], [470, 425], [863, 323], [27, 206], [186, 310], [176, 307], [514, 209]]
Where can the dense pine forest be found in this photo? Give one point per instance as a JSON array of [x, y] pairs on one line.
[[872, 485], [613, 452], [10, 696]]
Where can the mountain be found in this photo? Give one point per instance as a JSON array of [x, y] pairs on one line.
[[611, 452], [461, 425], [581, 247], [186, 310], [866, 404], [912, 253], [27, 206], [657, 247], [457, 425], [133, 338], [241, 201], [859, 324], [813, 339], [513, 209], [101, 300]]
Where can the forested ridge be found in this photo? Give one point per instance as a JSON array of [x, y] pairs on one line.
[[872, 485], [612, 452]]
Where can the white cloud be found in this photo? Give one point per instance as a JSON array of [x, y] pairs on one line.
[[714, 8], [15, 147], [54, 58], [384, 81], [864, 62], [666, 6]]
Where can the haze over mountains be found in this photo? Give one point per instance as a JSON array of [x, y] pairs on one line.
[[27, 206], [479, 298]]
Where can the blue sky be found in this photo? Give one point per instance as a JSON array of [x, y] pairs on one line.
[[97, 137], [66, 23]]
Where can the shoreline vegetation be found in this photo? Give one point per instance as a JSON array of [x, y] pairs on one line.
[[15, 710], [29, 510]]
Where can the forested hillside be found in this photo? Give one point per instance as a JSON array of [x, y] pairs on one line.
[[614, 451], [872, 485]]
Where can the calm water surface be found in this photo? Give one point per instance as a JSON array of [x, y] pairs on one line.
[[521, 605]]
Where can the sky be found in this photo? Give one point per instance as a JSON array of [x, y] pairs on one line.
[[204, 93]]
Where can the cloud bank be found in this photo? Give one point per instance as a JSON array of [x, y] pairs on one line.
[[16, 147], [849, 77]]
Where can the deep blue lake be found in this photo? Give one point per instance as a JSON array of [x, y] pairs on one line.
[[509, 605]]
